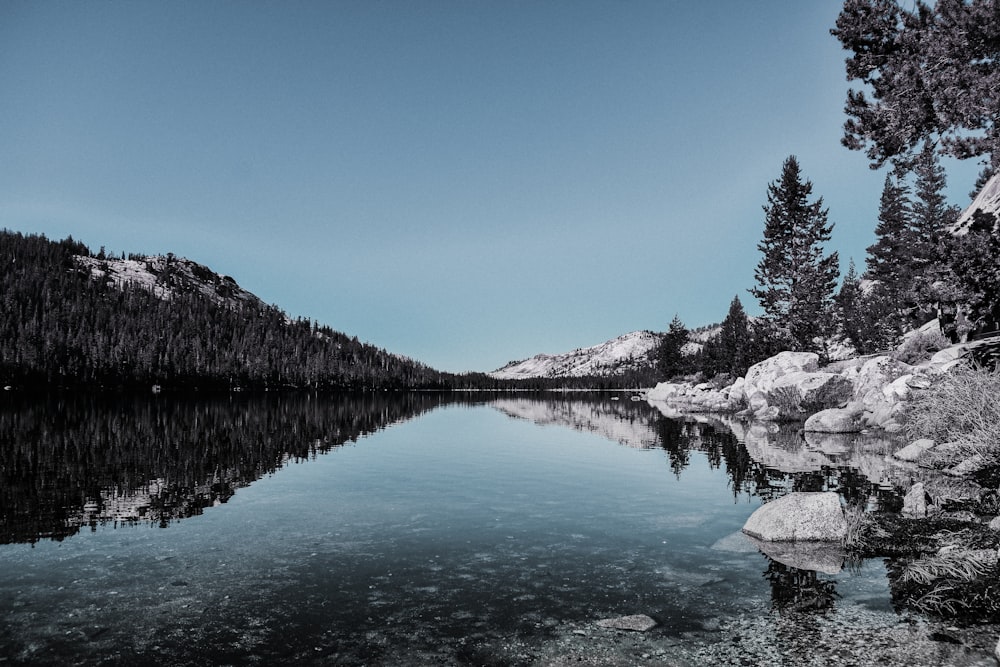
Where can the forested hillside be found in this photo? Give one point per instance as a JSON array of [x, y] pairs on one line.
[[65, 322]]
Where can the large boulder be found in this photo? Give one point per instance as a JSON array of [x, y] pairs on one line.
[[665, 391], [762, 376], [835, 420], [874, 376], [799, 517]]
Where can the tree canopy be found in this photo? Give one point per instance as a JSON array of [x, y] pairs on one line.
[[927, 72]]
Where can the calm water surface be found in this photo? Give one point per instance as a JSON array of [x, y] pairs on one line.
[[376, 530]]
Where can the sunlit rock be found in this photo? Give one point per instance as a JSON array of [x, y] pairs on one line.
[[825, 557], [873, 377], [665, 391], [914, 450], [799, 516], [835, 420], [757, 401], [761, 376]]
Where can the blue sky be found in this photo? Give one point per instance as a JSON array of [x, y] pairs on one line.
[[465, 183]]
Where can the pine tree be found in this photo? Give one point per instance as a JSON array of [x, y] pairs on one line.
[[670, 355], [888, 258], [734, 340], [930, 280], [795, 280], [930, 214], [927, 70]]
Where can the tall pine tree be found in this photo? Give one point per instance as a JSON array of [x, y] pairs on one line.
[[795, 281], [734, 340], [931, 214], [888, 258]]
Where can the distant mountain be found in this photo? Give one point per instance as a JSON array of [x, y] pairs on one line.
[[166, 276], [627, 353], [69, 317]]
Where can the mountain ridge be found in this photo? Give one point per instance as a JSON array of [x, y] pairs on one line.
[[628, 352]]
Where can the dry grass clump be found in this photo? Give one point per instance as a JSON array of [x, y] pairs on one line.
[[952, 583], [962, 407]]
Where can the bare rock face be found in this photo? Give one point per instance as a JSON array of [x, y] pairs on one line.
[[799, 517], [635, 623]]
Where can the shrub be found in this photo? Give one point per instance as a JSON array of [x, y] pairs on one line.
[[921, 346]]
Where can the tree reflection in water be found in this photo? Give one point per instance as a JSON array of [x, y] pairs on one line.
[[795, 590], [70, 461]]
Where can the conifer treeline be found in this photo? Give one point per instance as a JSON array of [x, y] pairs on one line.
[[60, 327]]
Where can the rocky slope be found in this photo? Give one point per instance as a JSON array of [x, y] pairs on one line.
[[614, 357]]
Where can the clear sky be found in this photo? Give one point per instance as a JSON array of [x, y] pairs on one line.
[[465, 183]]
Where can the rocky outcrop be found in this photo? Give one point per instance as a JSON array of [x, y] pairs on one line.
[[703, 397], [848, 396], [799, 517]]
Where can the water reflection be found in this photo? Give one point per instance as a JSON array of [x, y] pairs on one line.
[[457, 538], [796, 590], [67, 462], [762, 460]]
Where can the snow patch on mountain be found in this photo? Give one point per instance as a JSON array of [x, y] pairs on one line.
[[614, 357], [165, 277]]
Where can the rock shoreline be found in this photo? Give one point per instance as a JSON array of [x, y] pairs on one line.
[[836, 406]]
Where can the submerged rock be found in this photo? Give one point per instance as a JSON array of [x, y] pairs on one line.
[[914, 450], [799, 516], [635, 623]]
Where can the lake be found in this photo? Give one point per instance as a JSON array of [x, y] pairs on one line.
[[425, 529]]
